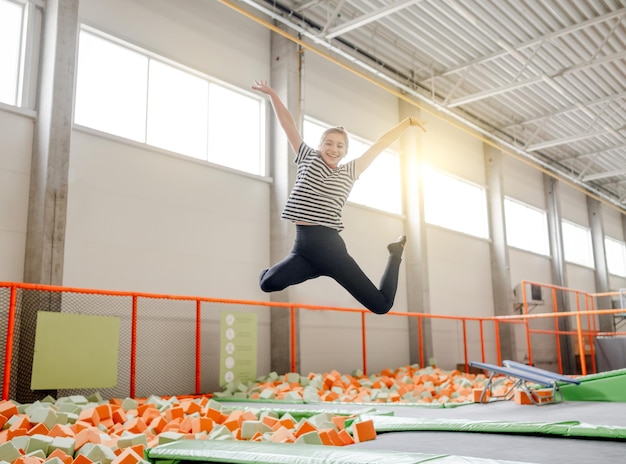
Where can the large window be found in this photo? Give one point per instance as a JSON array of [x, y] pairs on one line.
[[131, 93], [526, 227], [111, 88], [615, 256], [11, 20], [380, 185], [577, 244], [454, 203]]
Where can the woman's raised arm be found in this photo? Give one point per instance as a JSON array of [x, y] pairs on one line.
[[282, 114]]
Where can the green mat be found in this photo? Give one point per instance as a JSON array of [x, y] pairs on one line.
[[241, 452], [386, 421], [411, 404], [605, 386], [572, 429], [307, 413]]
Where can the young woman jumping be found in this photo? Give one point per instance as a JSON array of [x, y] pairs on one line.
[[315, 205]]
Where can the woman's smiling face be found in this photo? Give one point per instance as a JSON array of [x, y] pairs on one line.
[[333, 148]]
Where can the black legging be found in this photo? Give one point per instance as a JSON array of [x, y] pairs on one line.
[[320, 251]]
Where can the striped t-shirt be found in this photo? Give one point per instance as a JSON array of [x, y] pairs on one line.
[[320, 192]]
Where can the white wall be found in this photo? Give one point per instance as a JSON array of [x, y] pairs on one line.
[[453, 150], [573, 205], [16, 135], [143, 220], [459, 265], [340, 97], [614, 228], [205, 35]]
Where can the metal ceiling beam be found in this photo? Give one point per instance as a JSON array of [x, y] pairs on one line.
[[563, 141], [593, 154], [368, 18], [308, 5], [586, 106], [533, 80], [534, 42], [604, 175], [333, 16], [590, 64], [493, 92]]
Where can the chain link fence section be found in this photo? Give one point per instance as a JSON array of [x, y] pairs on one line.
[[168, 359]]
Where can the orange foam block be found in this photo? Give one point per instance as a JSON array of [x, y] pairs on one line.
[[539, 397], [333, 436], [158, 424], [8, 409], [12, 433], [363, 431], [304, 427], [149, 414], [128, 456], [283, 435], [82, 459], [173, 425], [339, 421], [269, 421], [141, 408], [346, 437], [477, 392], [201, 424], [28, 460], [62, 455], [21, 421], [139, 449], [215, 415], [104, 411], [89, 415], [136, 425], [119, 416], [186, 424], [287, 422], [60, 430], [190, 407], [175, 412], [39, 429], [87, 435]]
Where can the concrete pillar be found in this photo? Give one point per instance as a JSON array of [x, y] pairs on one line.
[[45, 236], [415, 254], [559, 274], [286, 79], [500, 268], [594, 210], [47, 209]]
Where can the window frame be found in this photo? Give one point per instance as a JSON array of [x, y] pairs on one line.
[[429, 207], [25, 91], [621, 244], [568, 257], [546, 235], [261, 163]]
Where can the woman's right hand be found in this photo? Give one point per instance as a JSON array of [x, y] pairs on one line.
[[416, 122], [262, 86]]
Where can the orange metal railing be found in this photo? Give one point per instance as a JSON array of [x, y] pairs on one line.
[[585, 333], [580, 332]]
